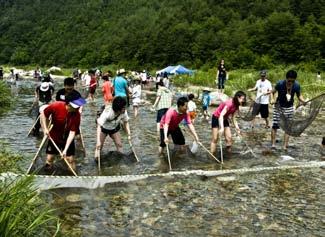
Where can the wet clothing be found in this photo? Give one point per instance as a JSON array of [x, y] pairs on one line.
[[282, 90], [231, 109], [62, 120], [173, 119], [51, 149]]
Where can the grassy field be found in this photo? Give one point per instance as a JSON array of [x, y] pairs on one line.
[[245, 79]]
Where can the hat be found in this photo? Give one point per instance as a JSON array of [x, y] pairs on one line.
[[122, 70], [44, 86], [77, 103], [263, 73], [206, 89]]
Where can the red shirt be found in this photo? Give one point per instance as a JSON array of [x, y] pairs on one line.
[[62, 120], [173, 118]]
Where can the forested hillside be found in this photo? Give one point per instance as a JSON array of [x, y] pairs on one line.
[[156, 33]]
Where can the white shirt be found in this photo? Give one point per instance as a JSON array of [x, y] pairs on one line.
[[191, 106], [109, 120], [263, 87], [136, 94]]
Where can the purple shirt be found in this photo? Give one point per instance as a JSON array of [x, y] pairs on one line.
[[173, 118], [231, 108]]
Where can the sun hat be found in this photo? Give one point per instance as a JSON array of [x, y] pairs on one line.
[[206, 89], [122, 70], [44, 86]]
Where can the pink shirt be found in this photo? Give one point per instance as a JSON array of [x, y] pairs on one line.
[[231, 108], [173, 118]]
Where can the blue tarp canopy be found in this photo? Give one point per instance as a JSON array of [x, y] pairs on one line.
[[179, 69]]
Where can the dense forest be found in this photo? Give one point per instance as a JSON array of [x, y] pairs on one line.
[[156, 33]]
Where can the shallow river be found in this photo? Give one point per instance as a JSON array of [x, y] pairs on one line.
[[270, 203]]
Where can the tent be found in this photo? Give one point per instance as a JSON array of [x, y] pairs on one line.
[[166, 69], [179, 69]]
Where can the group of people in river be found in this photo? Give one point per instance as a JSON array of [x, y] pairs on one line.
[[60, 120]]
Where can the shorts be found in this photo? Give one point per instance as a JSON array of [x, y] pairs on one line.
[[110, 131], [160, 114], [204, 107], [215, 122], [288, 113], [263, 109], [143, 82], [50, 149], [177, 136], [92, 90], [192, 115]]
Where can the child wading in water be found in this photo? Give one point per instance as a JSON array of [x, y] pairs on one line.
[[206, 101], [136, 97], [191, 107]]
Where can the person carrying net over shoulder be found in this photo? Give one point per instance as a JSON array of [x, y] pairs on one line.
[[286, 90]]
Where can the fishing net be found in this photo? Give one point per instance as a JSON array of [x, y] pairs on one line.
[[302, 118], [250, 112]]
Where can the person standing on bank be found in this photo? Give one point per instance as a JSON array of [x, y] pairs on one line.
[[264, 89], [109, 124], [286, 90], [169, 125], [65, 118], [220, 120], [221, 76]]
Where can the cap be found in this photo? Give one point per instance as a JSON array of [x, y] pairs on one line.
[[77, 103], [263, 73]]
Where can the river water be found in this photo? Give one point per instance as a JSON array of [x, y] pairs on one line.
[[270, 203]]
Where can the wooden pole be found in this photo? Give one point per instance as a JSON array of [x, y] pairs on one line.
[[38, 151], [61, 154], [132, 148], [209, 152], [221, 152], [31, 129], [168, 156]]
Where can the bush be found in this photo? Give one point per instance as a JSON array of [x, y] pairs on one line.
[[22, 212], [5, 98]]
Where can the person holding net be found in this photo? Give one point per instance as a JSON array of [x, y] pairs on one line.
[[286, 90], [263, 88]]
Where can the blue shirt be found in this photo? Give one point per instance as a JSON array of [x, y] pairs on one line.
[[206, 99], [281, 88], [120, 86]]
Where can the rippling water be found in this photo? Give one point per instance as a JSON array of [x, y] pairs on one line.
[[274, 203]]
